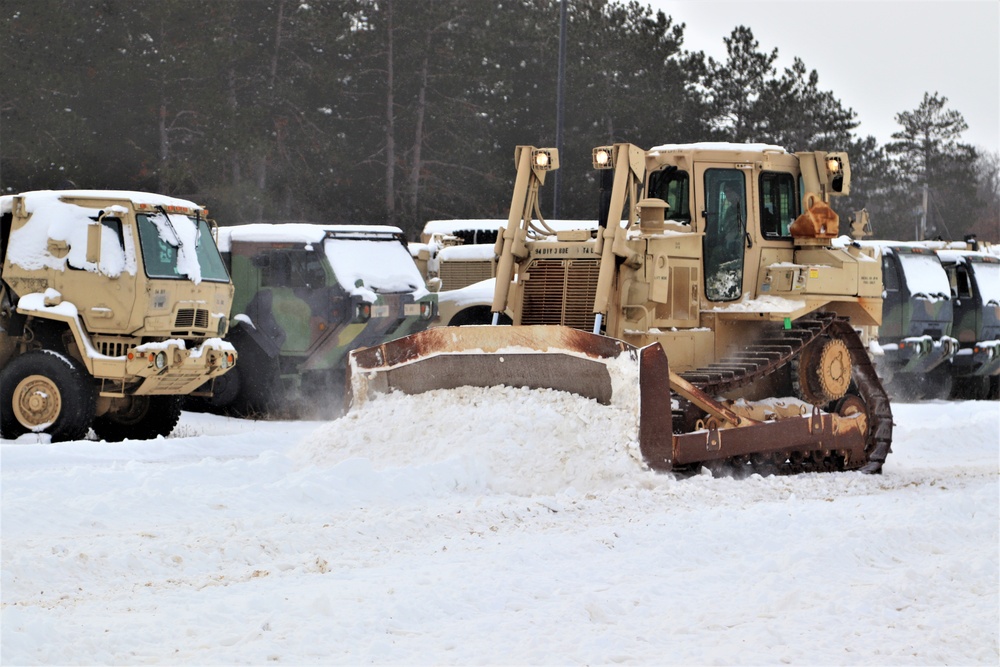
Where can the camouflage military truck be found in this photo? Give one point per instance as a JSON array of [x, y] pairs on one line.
[[915, 343], [975, 286], [112, 307], [306, 295]]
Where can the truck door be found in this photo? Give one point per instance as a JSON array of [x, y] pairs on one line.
[[722, 205], [966, 328], [893, 300]]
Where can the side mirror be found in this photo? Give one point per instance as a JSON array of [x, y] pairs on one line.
[[94, 232]]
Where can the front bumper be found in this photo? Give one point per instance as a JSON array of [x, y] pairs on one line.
[[919, 354], [168, 367], [980, 359]]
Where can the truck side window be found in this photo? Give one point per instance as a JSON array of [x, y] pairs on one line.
[[108, 251], [293, 268], [278, 271], [962, 285], [307, 271], [890, 279], [779, 204]]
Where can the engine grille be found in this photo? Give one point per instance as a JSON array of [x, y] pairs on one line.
[[188, 318], [113, 347], [561, 291], [458, 274]]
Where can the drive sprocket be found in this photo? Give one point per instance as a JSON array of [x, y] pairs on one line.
[[822, 373]]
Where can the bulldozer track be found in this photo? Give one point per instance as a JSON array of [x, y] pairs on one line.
[[780, 347]]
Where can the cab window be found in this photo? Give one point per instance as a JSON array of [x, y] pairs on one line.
[[779, 204], [672, 186]]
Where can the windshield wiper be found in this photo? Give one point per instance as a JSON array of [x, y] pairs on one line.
[[170, 224]]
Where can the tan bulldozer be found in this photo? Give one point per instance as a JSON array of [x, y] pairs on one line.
[[711, 300]]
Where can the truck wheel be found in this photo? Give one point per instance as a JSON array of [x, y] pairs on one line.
[[46, 392], [141, 418], [971, 388]]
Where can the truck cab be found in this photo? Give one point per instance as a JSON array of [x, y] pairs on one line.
[[306, 295], [915, 341], [128, 291], [974, 280]]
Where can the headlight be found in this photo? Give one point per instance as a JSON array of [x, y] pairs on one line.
[[603, 157], [161, 360], [362, 312], [426, 311], [223, 325], [545, 159]]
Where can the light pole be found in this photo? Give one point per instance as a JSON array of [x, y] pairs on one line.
[[560, 101]]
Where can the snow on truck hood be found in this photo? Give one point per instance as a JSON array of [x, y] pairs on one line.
[[366, 267]]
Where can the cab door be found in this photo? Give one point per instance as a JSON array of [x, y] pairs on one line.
[[722, 201]]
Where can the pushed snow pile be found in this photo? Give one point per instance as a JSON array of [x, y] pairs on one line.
[[496, 439]]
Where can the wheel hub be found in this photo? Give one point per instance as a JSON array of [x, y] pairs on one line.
[[37, 402]]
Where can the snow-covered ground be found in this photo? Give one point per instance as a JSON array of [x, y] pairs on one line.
[[510, 528]]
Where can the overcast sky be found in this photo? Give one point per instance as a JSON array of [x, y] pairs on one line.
[[878, 58]]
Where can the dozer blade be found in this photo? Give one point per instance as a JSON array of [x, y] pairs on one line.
[[607, 370], [538, 357]]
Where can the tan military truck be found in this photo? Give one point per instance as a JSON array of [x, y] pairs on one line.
[[113, 306]]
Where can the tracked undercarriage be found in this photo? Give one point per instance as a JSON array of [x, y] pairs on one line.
[[783, 353]]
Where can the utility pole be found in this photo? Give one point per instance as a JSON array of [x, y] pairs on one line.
[[560, 101], [922, 234]]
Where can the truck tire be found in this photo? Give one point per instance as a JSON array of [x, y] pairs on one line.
[[46, 392], [144, 418], [257, 388]]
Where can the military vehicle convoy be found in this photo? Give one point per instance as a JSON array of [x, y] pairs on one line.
[[113, 306], [710, 300], [307, 294]]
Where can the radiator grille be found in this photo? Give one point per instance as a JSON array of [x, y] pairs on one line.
[[188, 318], [112, 347], [459, 274], [561, 292]]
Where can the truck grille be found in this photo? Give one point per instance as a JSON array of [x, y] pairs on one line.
[[113, 347], [561, 291], [188, 318], [458, 274]]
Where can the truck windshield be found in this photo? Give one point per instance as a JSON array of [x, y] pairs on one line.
[[378, 265], [179, 247], [988, 279], [925, 277]]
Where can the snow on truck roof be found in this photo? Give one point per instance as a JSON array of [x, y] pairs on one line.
[[493, 224], [36, 198], [716, 146], [298, 232]]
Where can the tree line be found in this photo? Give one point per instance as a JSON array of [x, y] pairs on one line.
[[396, 112]]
